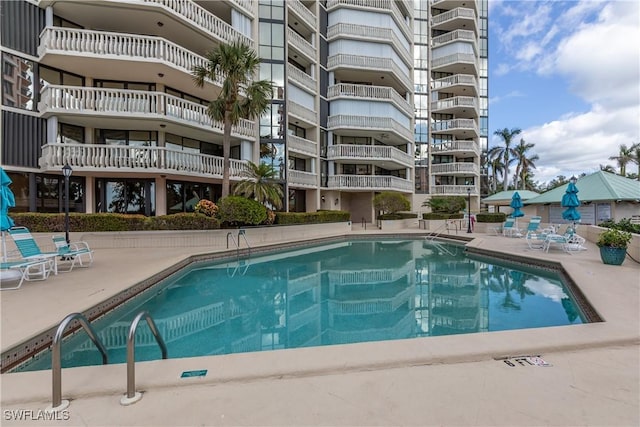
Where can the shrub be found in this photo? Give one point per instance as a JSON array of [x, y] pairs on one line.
[[182, 221], [613, 238], [491, 217], [623, 225], [46, 223], [446, 204], [237, 211], [398, 215], [440, 215], [390, 202], [206, 207], [311, 217]]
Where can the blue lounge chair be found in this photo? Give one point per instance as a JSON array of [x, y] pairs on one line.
[[22, 270], [509, 229], [29, 249], [75, 252]]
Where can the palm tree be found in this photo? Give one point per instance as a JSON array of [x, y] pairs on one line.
[[506, 152], [635, 156], [525, 164], [607, 168], [623, 158], [240, 97], [260, 184], [495, 163]]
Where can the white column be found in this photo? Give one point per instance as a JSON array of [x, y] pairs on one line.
[[48, 16], [89, 194], [52, 130], [161, 195], [246, 150]]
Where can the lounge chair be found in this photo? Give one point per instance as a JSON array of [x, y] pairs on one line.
[[75, 252], [509, 229], [534, 224], [37, 269], [569, 241], [29, 249]]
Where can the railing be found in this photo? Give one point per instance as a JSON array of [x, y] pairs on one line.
[[383, 124], [382, 93], [302, 178], [456, 80], [301, 10], [56, 363], [148, 159], [132, 395], [57, 99], [462, 167], [385, 5], [366, 32], [386, 275], [369, 152], [456, 146], [450, 125], [301, 77], [369, 182], [455, 102], [302, 112], [301, 44], [458, 12], [119, 46], [456, 58], [371, 63], [464, 35], [302, 145], [453, 189]]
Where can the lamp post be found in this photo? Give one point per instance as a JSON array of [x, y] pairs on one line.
[[469, 210], [66, 171]]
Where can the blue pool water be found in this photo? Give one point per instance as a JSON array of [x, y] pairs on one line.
[[338, 293]]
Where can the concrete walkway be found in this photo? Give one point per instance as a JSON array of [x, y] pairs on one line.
[[453, 380]]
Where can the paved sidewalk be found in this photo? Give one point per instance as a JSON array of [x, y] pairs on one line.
[[594, 378]]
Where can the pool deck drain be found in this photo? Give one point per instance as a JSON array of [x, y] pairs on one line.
[[594, 381]]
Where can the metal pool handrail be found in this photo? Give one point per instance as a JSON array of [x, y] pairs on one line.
[[56, 364], [132, 396]]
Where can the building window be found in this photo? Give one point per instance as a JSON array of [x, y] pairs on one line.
[[127, 196], [50, 194], [69, 134], [184, 196], [18, 82]]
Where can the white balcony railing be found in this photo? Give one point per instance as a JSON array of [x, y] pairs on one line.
[[378, 93], [369, 182], [368, 153], [452, 125], [368, 33], [455, 58], [464, 35], [453, 146], [302, 145], [368, 276], [382, 124], [308, 16], [453, 190], [455, 80], [96, 157], [451, 168], [301, 44], [302, 178], [134, 104], [302, 78], [370, 63], [455, 102], [457, 13], [302, 112], [386, 6], [68, 41]]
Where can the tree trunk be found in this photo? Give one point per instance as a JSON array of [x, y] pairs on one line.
[[226, 153]]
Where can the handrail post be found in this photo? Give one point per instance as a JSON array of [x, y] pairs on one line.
[[57, 404], [132, 395]]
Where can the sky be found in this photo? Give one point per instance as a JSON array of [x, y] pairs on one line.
[[567, 73]]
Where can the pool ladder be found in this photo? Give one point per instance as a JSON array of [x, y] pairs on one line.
[[242, 233], [58, 404]]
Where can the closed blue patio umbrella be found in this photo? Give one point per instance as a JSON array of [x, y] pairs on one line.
[[571, 202], [516, 204], [7, 200]]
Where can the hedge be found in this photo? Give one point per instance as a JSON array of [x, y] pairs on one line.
[[397, 215], [311, 217], [438, 215], [491, 217]]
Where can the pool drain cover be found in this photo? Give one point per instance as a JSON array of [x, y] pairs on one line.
[[524, 361]]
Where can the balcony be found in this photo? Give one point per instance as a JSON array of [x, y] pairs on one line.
[[302, 146], [299, 44], [454, 19], [296, 178], [302, 79], [460, 168], [303, 113], [377, 154], [456, 63], [208, 26], [303, 13], [459, 148], [381, 6], [458, 85], [125, 57], [460, 106], [370, 93], [453, 190], [98, 106], [459, 128], [369, 183], [374, 34], [453, 36], [371, 63], [148, 160], [370, 276], [383, 128]]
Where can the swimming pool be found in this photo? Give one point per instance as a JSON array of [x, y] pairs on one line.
[[338, 293]]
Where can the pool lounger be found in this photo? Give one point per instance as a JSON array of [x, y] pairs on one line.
[[36, 269]]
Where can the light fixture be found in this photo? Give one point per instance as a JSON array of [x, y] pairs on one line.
[[161, 75], [469, 210], [160, 24], [335, 202], [66, 172], [163, 126]]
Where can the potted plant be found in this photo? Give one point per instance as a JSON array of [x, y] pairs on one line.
[[613, 246]]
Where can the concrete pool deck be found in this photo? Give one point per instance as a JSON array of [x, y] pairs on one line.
[[453, 380]]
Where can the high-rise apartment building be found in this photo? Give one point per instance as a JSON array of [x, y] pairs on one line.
[[106, 87]]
